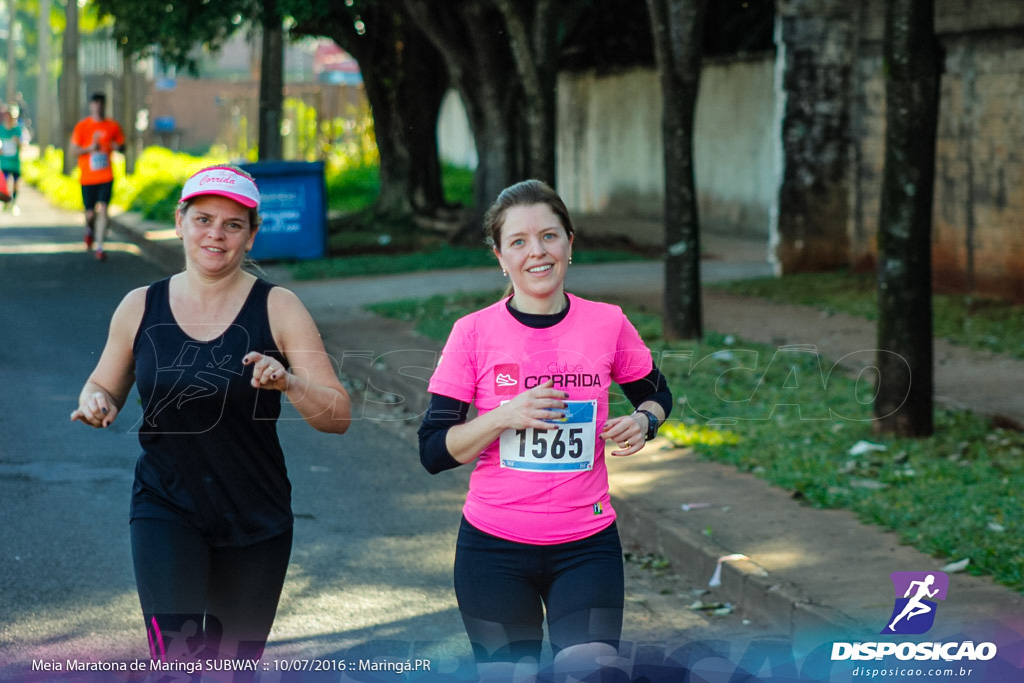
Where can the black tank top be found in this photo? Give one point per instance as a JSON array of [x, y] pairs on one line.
[[210, 452]]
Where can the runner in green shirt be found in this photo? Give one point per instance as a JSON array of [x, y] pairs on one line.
[[10, 155]]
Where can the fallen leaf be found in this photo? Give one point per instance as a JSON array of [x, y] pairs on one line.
[[954, 567], [862, 447], [870, 484]]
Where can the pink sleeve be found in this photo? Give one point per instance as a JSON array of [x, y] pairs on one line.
[[632, 359], [455, 374]]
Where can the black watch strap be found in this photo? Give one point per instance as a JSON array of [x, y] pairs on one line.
[[652, 424]]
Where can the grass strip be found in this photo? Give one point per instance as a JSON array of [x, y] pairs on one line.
[[981, 323], [439, 257]]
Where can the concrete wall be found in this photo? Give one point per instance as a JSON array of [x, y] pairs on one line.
[[609, 145], [610, 153], [734, 150], [610, 157], [977, 241]]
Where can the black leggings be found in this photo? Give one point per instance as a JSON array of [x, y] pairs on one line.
[[204, 601], [503, 588]]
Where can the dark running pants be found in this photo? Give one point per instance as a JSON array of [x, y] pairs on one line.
[[202, 601], [504, 588]]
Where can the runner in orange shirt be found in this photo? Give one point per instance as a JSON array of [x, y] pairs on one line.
[[92, 141]]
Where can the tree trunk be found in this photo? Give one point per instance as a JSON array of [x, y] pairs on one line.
[[129, 111], [533, 39], [677, 27], [70, 83], [44, 117], [405, 82], [271, 84], [903, 402], [816, 44], [12, 64], [480, 64]]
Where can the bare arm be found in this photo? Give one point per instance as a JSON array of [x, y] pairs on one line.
[[106, 390], [310, 383]]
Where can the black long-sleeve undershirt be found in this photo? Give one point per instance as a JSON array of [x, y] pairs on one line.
[[445, 412]]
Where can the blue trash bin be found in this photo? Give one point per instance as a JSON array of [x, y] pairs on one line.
[[293, 206]]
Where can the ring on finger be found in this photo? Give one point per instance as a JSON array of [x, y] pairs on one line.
[[626, 444]]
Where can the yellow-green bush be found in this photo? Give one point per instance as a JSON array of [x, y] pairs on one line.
[[152, 189]]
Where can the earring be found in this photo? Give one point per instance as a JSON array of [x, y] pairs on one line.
[[504, 273], [570, 260]]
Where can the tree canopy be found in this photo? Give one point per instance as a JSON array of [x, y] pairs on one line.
[[174, 29]]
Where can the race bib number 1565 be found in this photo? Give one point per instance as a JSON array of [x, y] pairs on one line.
[[569, 447]]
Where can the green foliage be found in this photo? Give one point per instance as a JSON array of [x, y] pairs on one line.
[[436, 256], [176, 28], [458, 184], [443, 257], [435, 315], [47, 174], [153, 189], [837, 292], [353, 189], [350, 141], [785, 417], [352, 181]]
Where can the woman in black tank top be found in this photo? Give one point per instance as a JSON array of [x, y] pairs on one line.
[[211, 350]]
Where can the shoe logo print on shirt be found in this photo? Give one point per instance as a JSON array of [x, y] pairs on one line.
[[506, 378]]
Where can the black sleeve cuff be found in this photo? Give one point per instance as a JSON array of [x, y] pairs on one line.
[[653, 387], [443, 413]]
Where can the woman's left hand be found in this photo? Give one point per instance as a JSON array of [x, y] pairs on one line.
[[267, 373], [627, 432]]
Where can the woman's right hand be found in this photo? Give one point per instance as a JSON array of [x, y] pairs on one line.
[[533, 407], [96, 410]]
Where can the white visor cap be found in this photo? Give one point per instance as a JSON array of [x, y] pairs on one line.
[[224, 181]]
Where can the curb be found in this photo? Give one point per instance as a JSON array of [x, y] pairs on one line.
[[747, 586], [165, 254]]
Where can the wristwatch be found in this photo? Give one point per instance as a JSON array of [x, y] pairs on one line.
[[652, 424]]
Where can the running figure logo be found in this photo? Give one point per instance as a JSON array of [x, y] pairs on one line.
[[914, 613]]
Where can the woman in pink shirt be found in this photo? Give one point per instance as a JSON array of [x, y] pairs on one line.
[[538, 535]]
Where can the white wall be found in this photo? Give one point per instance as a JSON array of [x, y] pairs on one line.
[[454, 138], [734, 147], [609, 157], [609, 144]]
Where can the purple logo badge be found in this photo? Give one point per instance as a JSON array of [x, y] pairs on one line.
[[914, 611]]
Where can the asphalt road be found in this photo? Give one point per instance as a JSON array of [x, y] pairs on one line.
[[370, 572]]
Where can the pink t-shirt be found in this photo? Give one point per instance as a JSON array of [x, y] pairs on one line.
[[548, 486]]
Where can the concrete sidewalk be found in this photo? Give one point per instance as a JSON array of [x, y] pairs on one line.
[[806, 571]]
